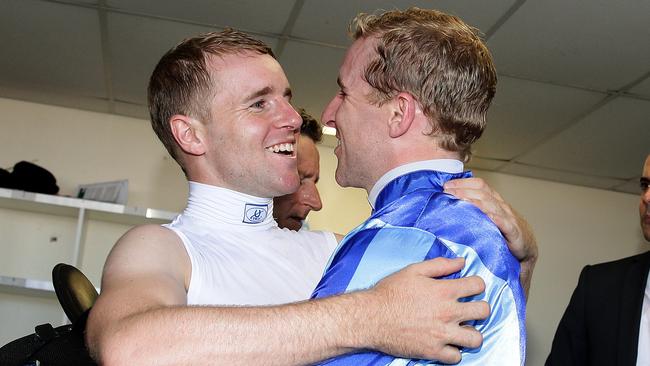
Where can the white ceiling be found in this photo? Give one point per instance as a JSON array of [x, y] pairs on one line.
[[573, 101]]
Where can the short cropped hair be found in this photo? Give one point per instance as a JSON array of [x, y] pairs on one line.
[[310, 127], [182, 84], [439, 60]]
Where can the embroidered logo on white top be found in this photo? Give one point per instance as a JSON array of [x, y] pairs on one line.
[[254, 214]]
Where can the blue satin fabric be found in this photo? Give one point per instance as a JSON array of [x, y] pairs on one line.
[[413, 221]]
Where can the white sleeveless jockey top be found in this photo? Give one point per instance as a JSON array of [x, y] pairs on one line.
[[240, 256]]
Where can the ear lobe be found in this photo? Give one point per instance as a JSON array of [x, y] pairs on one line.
[[403, 114], [188, 134]]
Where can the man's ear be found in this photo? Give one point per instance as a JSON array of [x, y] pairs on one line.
[[188, 133], [402, 115]]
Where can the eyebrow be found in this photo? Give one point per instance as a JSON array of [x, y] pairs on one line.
[[259, 93], [268, 90]]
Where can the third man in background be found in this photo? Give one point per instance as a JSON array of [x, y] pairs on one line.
[[290, 211], [607, 321]]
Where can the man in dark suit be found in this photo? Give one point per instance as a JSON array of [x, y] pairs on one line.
[[607, 321]]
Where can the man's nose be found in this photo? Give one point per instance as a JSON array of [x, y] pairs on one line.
[[311, 197], [290, 118], [329, 114]]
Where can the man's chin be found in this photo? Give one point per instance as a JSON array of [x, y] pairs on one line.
[[293, 224], [340, 177]]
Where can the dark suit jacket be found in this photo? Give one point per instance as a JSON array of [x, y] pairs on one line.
[[601, 324]]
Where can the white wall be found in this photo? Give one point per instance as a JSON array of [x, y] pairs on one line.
[[85, 147], [574, 225]]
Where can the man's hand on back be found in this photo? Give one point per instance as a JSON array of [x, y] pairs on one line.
[[420, 317]]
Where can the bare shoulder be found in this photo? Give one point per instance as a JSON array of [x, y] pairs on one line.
[[148, 235], [146, 269], [147, 249]]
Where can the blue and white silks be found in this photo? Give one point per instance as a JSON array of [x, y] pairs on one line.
[[413, 220]]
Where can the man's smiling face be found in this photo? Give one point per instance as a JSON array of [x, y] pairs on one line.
[[253, 130]]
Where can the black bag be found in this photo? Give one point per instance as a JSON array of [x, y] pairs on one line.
[[5, 179], [48, 346], [30, 177]]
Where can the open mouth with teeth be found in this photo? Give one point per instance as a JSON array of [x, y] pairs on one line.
[[283, 149]]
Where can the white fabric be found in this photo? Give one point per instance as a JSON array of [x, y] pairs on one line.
[[240, 263], [441, 165], [643, 354]]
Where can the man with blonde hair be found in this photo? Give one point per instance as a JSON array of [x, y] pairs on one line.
[[415, 87]]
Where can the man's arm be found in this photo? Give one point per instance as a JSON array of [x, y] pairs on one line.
[[141, 317], [514, 227]]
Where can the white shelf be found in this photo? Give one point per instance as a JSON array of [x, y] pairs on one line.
[[26, 286], [81, 209], [67, 206]]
